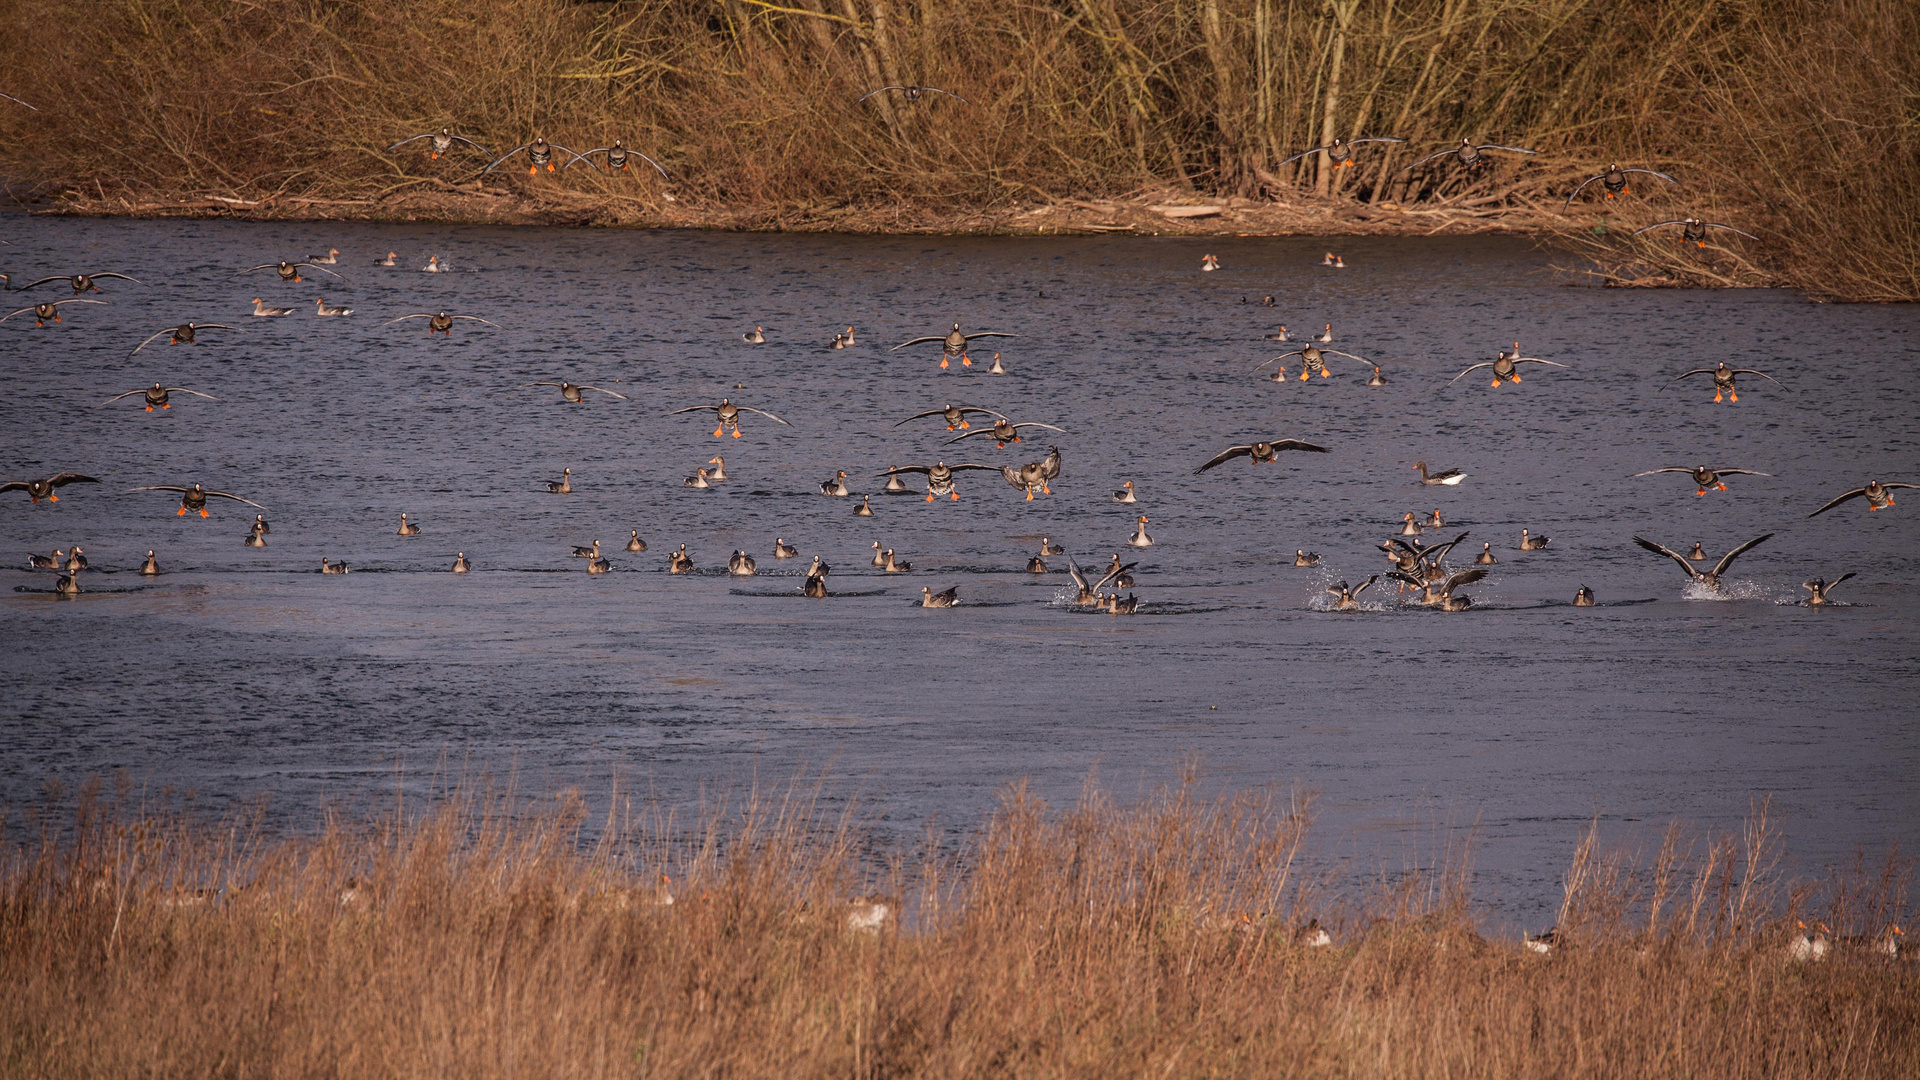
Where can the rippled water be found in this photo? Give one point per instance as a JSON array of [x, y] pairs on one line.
[[243, 670]]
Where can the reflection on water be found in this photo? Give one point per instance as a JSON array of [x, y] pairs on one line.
[[242, 670]]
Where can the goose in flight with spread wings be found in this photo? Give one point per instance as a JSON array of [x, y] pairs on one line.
[[1259, 452], [913, 93], [288, 271], [571, 391], [1710, 578], [1339, 151], [157, 395], [182, 334], [195, 497], [539, 155], [82, 283], [43, 489], [954, 415], [1003, 431], [1693, 230], [1614, 179], [1468, 154], [1504, 367], [939, 476], [617, 156], [1312, 359], [443, 141], [953, 344], [441, 322], [728, 415], [1704, 477], [43, 312], [1723, 379], [1879, 496]]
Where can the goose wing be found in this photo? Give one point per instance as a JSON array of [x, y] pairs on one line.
[[605, 391], [478, 319], [906, 469], [949, 93], [916, 341], [62, 479], [1464, 577], [1583, 186], [1300, 155], [230, 495], [1371, 578], [1430, 157], [1374, 138], [695, 408], [983, 468], [495, 163], [1854, 494], [404, 318], [42, 281], [1282, 356], [882, 90], [1650, 472], [1751, 371], [1727, 559], [1659, 225], [1469, 371], [1740, 472], [764, 413], [989, 333], [650, 161], [1224, 456], [411, 138], [160, 487], [310, 266], [149, 341], [1114, 573], [195, 393], [1731, 229], [17, 101], [1405, 579], [1439, 552], [1079, 579], [1348, 355], [1532, 360], [129, 393], [122, 277], [1695, 371], [1049, 427], [970, 434], [1669, 553], [1509, 149], [1296, 444]]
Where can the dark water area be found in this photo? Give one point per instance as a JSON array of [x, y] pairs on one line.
[[243, 672]]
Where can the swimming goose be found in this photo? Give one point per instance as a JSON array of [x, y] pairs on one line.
[[331, 258], [434, 266], [1002, 432], [680, 562], [1485, 558], [440, 322], [571, 391], [288, 271], [150, 568], [896, 567], [1035, 565], [157, 396], [1347, 599], [784, 550], [1125, 494], [43, 312], [1306, 558], [1614, 179], [1411, 528], [1503, 366], [953, 345], [407, 528], [392, 259], [255, 539], [1118, 574], [67, 585], [1087, 593], [1140, 537], [1693, 230], [1312, 359], [182, 334], [945, 598], [1118, 605], [1819, 586], [717, 474], [262, 311], [1697, 554], [82, 283], [47, 562], [939, 476], [1879, 496], [1377, 379], [195, 497], [562, 486], [599, 565], [879, 556], [996, 369], [1210, 262], [818, 568], [443, 141], [539, 154], [758, 337], [1340, 151], [863, 510], [741, 564], [590, 552], [836, 485], [845, 341], [1710, 578], [44, 489], [617, 156], [896, 486], [76, 560], [1810, 945], [460, 563], [1048, 547], [697, 480], [1468, 154], [954, 415], [1583, 598], [332, 567], [1703, 477], [1529, 542], [1433, 521], [1259, 452], [634, 543], [816, 586], [1722, 379], [728, 415], [913, 93], [1449, 477]]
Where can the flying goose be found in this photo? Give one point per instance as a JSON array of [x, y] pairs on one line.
[[43, 312], [539, 154], [953, 344], [571, 391], [1879, 496], [195, 497], [1259, 452], [1312, 359], [1819, 586], [1340, 151], [1722, 379], [288, 271], [1003, 431], [82, 283], [443, 141], [44, 489], [1503, 366], [1614, 179], [954, 415], [182, 334], [617, 156], [728, 415], [157, 396], [1693, 230], [440, 322], [1468, 154], [1710, 578], [1704, 477], [939, 476], [913, 93]]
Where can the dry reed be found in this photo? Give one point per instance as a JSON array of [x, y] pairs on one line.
[[1790, 115], [1162, 938]]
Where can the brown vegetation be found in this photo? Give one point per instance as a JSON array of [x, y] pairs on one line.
[[1161, 939], [1791, 116]]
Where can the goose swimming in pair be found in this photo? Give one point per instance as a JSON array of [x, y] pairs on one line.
[[434, 266], [728, 415], [939, 476], [1613, 179], [784, 550], [1529, 542], [262, 311], [1340, 151], [260, 524], [865, 509], [1583, 598], [460, 563], [1879, 496], [151, 567], [44, 312], [539, 155], [1210, 262], [76, 560], [634, 543], [599, 565], [1469, 154], [697, 480], [758, 337], [1433, 520], [1810, 945], [1346, 599], [1703, 477], [1693, 230], [1140, 537], [332, 567], [836, 485], [1723, 379], [331, 258], [1048, 547], [741, 564], [1125, 494], [195, 498], [879, 556], [1709, 578], [288, 271], [44, 489], [590, 552], [894, 566], [1504, 369], [1818, 588], [440, 322], [157, 396], [845, 341], [562, 486], [1306, 558], [817, 568], [407, 528], [82, 283], [1119, 575], [617, 156], [1259, 453], [944, 598], [571, 391], [182, 334], [953, 345], [1485, 558], [680, 562], [1449, 477], [954, 415], [717, 474], [442, 144], [1411, 528]]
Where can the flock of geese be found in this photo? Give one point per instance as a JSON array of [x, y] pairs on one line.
[[1418, 567]]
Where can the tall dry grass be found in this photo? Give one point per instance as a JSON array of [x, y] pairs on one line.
[[1795, 113], [1158, 938]]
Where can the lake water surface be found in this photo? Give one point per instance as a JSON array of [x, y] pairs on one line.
[[242, 671]]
